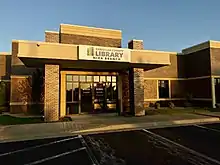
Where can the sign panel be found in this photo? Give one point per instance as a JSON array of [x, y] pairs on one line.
[[99, 53]]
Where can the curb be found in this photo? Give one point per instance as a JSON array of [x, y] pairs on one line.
[[114, 128], [209, 115], [163, 124]]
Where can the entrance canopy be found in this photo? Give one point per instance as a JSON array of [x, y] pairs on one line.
[[36, 54]]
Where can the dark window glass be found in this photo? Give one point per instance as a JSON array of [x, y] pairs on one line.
[[69, 96], [163, 88]]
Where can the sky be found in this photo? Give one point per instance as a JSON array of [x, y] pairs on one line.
[[168, 25]]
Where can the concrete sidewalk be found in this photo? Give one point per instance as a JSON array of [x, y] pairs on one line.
[[90, 124]]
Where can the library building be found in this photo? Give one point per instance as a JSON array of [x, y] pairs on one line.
[[81, 70]]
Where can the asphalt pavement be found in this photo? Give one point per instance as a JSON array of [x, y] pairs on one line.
[[186, 145]]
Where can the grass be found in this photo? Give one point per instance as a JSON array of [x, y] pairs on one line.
[[10, 120]]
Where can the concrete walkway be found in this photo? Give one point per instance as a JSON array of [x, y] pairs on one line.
[[89, 124]]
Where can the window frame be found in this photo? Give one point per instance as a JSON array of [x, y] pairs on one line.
[[165, 83]]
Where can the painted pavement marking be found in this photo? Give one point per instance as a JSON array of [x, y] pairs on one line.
[[38, 146], [56, 156], [210, 129], [197, 160], [89, 151]]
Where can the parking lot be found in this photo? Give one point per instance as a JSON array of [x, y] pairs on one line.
[[186, 145]]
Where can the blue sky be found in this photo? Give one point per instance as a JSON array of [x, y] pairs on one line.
[[170, 25]]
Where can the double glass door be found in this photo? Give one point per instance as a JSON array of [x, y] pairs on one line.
[[90, 94]]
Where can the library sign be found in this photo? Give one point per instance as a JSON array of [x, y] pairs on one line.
[[99, 53]]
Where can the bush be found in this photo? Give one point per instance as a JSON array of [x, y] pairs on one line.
[[151, 105], [187, 104], [157, 105], [171, 105], [66, 118]]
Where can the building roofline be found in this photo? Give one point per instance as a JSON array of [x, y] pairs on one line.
[[49, 31], [92, 27], [135, 40], [202, 46]]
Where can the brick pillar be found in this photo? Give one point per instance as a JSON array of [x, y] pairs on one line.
[[125, 92], [51, 100], [138, 82], [52, 36]]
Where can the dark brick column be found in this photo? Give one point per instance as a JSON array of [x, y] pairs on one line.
[[125, 92], [51, 105], [137, 85]]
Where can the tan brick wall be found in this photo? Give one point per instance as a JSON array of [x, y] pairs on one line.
[[17, 66], [51, 106], [52, 37], [150, 89], [136, 44], [5, 66], [89, 40], [198, 63], [178, 88], [20, 93], [199, 88], [215, 61], [2, 66], [170, 71], [139, 91]]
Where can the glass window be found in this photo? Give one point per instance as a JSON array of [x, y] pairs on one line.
[[69, 77], [102, 79], [163, 88], [108, 78], [89, 78], [75, 91], [82, 78], [69, 92], [96, 78], [113, 78], [75, 78]]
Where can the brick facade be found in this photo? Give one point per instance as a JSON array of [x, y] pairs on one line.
[[89, 40], [53, 37], [20, 94], [178, 88], [125, 91], [51, 102], [139, 92], [150, 89], [138, 82], [198, 63], [215, 60]]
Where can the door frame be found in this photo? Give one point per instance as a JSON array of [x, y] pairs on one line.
[[63, 74]]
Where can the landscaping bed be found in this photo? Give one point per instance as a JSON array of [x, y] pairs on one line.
[[11, 120]]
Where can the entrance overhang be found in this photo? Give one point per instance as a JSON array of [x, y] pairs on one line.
[[37, 54]]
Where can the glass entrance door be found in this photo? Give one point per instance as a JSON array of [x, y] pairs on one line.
[[86, 97], [90, 94], [72, 95]]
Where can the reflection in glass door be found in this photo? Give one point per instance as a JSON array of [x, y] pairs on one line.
[[91, 94], [86, 97], [72, 95]]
